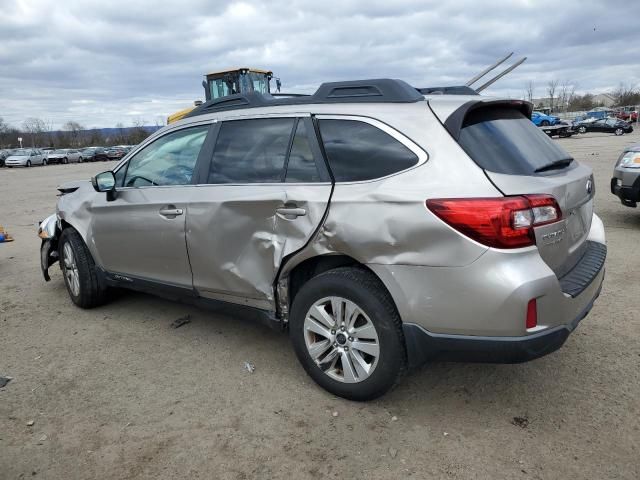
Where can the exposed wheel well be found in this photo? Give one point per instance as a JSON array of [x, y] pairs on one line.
[[311, 267], [306, 270]]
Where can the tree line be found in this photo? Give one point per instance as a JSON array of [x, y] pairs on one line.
[[36, 132], [563, 97]]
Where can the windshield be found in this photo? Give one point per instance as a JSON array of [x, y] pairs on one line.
[[259, 82], [503, 140], [59, 151], [21, 152]]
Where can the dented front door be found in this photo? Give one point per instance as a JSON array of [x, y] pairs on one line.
[[249, 215]]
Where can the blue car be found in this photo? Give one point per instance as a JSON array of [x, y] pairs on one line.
[[542, 120]]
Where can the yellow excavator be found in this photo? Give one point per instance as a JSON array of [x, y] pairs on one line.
[[229, 82]]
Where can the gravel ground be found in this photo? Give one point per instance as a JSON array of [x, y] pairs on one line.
[[116, 392]]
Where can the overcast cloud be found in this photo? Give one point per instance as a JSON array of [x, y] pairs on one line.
[[112, 61]]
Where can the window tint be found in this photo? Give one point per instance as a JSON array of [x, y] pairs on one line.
[[251, 151], [302, 166], [169, 160], [360, 151], [503, 140]]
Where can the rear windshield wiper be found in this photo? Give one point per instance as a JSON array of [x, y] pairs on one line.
[[556, 165]]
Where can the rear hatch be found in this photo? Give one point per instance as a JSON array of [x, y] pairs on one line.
[[519, 159]]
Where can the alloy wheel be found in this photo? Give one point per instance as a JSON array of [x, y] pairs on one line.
[[341, 339], [71, 269]]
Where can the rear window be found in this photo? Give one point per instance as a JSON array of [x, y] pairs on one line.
[[505, 141]]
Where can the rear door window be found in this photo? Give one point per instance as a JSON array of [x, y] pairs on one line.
[[251, 151], [503, 140], [357, 151]]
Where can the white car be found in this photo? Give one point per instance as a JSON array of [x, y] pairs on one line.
[[65, 155], [25, 157]]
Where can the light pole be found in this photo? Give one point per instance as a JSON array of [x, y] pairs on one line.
[[20, 140]]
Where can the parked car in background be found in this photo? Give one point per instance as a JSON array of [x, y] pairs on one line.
[[330, 218], [627, 116], [625, 183], [3, 155], [116, 153], [100, 155], [25, 157], [88, 154], [47, 150], [65, 155], [542, 120], [605, 125]]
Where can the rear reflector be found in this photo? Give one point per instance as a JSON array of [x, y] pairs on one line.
[[532, 314], [499, 222]]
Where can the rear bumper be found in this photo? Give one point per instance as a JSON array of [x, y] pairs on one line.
[[423, 346]]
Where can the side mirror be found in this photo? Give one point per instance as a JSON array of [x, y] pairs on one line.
[[105, 182]]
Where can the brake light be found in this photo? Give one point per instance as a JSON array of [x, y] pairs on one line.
[[501, 222]]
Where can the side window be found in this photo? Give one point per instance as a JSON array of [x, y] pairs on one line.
[[251, 151], [169, 160], [302, 166], [360, 151]]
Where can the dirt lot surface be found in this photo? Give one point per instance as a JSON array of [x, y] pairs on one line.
[[116, 392]]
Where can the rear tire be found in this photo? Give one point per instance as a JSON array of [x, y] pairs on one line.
[[619, 132], [582, 129], [544, 123], [44, 162], [79, 271], [372, 343]]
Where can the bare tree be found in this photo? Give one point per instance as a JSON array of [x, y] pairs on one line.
[[552, 86], [626, 95], [74, 130], [138, 133], [529, 91], [121, 134], [35, 127], [564, 94], [581, 102]]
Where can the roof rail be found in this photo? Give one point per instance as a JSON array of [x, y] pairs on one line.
[[452, 90], [381, 90]]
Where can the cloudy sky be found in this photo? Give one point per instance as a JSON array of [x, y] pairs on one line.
[[109, 61]]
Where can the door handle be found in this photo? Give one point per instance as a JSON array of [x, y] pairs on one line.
[[170, 212], [291, 211]]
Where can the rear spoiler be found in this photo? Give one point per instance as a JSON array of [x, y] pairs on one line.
[[454, 122]]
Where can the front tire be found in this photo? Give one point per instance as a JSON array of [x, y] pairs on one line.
[[347, 334], [545, 123], [79, 271], [44, 162], [65, 161], [28, 163]]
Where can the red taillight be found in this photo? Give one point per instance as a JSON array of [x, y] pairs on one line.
[[502, 222], [532, 314]]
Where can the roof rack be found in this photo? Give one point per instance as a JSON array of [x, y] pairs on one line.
[[380, 90]]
